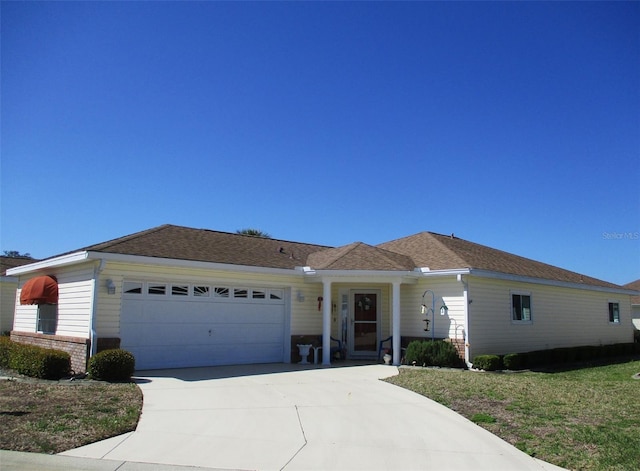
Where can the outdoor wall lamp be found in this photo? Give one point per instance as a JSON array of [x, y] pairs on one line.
[[111, 287], [300, 296]]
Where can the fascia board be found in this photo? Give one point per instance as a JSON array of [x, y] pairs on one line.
[[546, 282], [349, 276], [179, 263], [62, 260], [449, 272]]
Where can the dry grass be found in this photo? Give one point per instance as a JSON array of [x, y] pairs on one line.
[[582, 419], [51, 416]]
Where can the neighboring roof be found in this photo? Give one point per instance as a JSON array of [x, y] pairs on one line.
[[439, 252], [12, 262], [177, 242], [634, 285], [359, 256]]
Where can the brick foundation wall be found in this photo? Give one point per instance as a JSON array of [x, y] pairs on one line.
[[76, 347]]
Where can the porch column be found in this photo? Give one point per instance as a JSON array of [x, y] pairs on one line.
[[326, 322], [395, 323]]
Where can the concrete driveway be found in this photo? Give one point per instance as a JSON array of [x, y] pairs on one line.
[[289, 417]]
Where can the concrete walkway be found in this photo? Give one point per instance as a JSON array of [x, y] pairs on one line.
[[288, 417]]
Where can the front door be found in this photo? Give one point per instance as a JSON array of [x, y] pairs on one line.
[[364, 324]]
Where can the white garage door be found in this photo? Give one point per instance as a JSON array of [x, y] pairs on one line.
[[169, 325]]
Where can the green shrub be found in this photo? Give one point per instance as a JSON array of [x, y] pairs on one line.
[[514, 361], [112, 365], [487, 362], [433, 353], [39, 362], [5, 351]]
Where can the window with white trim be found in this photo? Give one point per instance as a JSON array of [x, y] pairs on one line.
[[179, 290], [521, 307], [220, 292], [276, 294], [614, 312], [201, 291], [47, 318], [240, 293], [132, 287], [258, 293], [157, 289]]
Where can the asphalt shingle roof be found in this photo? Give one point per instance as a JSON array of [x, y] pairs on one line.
[[439, 252], [425, 249], [359, 256], [634, 285], [205, 245], [12, 262]]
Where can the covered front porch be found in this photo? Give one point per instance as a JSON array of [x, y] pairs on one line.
[[361, 315]]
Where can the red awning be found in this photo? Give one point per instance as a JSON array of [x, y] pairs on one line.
[[40, 290]]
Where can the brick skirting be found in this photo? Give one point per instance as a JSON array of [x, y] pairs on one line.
[[76, 347]]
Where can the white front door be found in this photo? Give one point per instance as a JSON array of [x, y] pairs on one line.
[[364, 323]]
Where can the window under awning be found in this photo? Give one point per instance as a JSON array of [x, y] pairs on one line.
[[40, 290]]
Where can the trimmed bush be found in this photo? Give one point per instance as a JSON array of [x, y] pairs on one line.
[[38, 362], [433, 353], [112, 365], [487, 362], [5, 351], [514, 361]]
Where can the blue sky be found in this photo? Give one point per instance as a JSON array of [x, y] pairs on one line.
[[513, 125]]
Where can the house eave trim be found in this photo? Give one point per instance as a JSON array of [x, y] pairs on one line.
[[350, 276], [67, 259], [426, 272], [547, 282], [179, 263]]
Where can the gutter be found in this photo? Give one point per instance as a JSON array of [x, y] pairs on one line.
[[547, 282]]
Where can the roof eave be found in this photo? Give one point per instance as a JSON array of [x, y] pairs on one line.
[[337, 276], [544, 281], [67, 259]]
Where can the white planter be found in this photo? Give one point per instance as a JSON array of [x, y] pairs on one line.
[[304, 350], [387, 359]]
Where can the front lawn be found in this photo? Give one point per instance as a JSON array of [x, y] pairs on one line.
[[53, 416], [585, 418]]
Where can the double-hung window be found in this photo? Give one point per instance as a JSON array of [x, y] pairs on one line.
[[47, 318], [614, 312], [521, 307]]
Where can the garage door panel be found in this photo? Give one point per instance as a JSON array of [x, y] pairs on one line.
[[168, 333]]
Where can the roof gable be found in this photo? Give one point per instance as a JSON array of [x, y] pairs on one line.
[[359, 256]]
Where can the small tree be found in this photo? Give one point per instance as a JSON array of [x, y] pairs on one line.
[[16, 254], [253, 233]]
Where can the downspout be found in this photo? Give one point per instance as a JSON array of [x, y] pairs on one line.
[[93, 337], [465, 284]]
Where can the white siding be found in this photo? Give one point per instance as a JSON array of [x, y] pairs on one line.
[[451, 325], [75, 296], [561, 317], [8, 286]]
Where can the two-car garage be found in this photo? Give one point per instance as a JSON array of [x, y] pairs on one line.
[[176, 325]]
